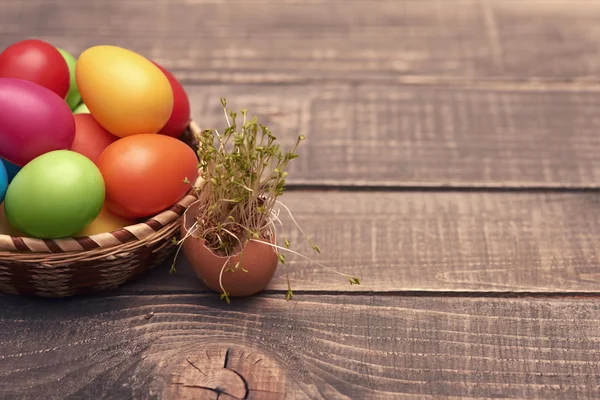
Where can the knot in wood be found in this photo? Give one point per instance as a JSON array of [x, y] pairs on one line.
[[226, 373]]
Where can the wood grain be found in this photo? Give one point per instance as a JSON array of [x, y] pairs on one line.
[[432, 241], [300, 41], [327, 347], [226, 372], [414, 136]]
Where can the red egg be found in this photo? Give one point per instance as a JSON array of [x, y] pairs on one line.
[[36, 61], [180, 116], [144, 174], [90, 137]]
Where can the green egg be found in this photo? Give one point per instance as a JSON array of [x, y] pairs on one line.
[[81, 109], [73, 97], [55, 195]]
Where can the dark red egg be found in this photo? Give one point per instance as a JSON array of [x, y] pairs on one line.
[[180, 116]]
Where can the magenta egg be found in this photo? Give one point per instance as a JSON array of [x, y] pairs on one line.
[[33, 121]]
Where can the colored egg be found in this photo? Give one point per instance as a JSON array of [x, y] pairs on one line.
[[3, 181], [36, 61], [81, 109], [5, 227], [90, 137], [11, 169], [106, 221], [33, 121], [55, 195], [125, 92], [180, 116], [73, 98], [144, 174]]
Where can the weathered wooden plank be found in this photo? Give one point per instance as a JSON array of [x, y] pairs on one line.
[[416, 136], [292, 41], [318, 347], [432, 241], [544, 37]]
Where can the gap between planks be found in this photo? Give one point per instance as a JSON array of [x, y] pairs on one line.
[[512, 84], [476, 187], [416, 293]]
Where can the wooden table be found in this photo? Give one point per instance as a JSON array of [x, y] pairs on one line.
[[451, 163]]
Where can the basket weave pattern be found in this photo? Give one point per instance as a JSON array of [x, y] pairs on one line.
[[71, 266]]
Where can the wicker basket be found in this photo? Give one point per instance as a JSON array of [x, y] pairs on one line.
[[82, 265]]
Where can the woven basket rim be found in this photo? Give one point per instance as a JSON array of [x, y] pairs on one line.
[[150, 230]]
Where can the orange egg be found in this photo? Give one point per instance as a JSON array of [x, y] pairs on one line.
[[90, 137], [145, 174], [125, 92], [104, 222]]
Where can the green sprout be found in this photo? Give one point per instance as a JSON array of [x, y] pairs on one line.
[[244, 173]]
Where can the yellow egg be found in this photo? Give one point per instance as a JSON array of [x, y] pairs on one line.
[[104, 222], [5, 227], [125, 92]]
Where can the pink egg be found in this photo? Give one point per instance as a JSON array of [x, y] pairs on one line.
[[33, 121]]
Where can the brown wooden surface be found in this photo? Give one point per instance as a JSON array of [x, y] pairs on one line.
[[424, 136], [434, 241], [265, 41], [461, 134], [334, 347]]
